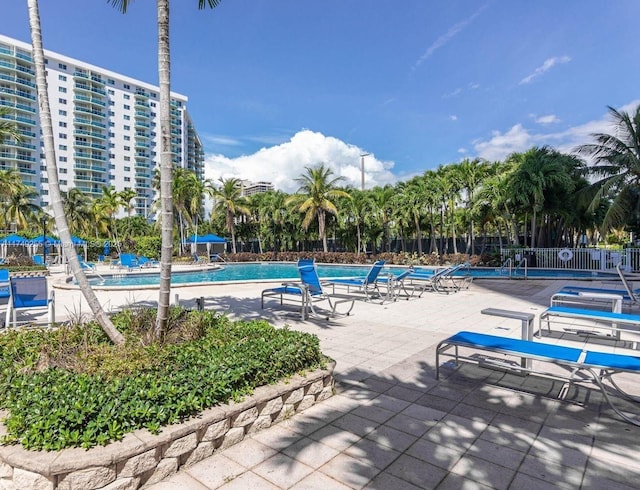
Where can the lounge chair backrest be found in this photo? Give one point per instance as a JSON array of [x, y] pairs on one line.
[[4, 275], [29, 291], [309, 275], [128, 260], [402, 275], [374, 271]]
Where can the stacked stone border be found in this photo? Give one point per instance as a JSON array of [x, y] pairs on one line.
[[142, 458]]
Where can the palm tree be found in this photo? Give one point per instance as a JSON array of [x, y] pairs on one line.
[[8, 128], [470, 175], [77, 209], [616, 160], [52, 174], [536, 170], [315, 198], [166, 166], [228, 200], [10, 183], [21, 208]]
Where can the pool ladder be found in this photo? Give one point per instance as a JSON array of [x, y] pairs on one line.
[[511, 269]]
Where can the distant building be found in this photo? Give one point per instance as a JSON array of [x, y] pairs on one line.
[[106, 127], [251, 188]]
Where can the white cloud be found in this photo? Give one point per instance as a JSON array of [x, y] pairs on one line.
[[546, 66], [500, 145], [549, 119], [282, 164], [519, 138], [453, 117], [446, 37], [462, 150]]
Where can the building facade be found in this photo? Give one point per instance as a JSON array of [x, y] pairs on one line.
[[106, 127]]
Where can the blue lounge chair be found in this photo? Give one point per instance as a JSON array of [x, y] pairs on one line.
[[447, 280], [4, 283], [307, 292], [366, 284], [129, 261], [29, 293], [630, 295], [583, 366], [147, 262], [395, 285], [199, 260]]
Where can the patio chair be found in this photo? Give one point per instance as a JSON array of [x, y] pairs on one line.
[[367, 284], [395, 285], [147, 262], [129, 261], [29, 293], [440, 281], [86, 266], [4, 283], [307, 292], [199, 260], [630, 295]]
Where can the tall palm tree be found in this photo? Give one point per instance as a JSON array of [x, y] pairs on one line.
[[315, 198], [166, 166], [616, 160], [536, 170], [21, 208], [470, 175], [10, 184], [52, 174], [77, 209], [228, 200]]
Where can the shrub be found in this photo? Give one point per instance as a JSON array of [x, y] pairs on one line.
[[71, 387]]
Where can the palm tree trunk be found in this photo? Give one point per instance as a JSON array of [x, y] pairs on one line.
[[166, 168], [322, 231], [52, 174]]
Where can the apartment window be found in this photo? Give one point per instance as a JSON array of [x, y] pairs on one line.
[[127, 148], [112, 177], [127, 86], [126, 107], [62, 66], [127, 138], [112, 125], [112, 135], [152, 104], [127, 179], [111, 82], [111, 155], [111, 102], [127, 118], [63, 182], [111, 92], [62, 147], [127, 159], [62, 124], [111, 113], [153, 114], [126, 127], [112, 166], [62, 89], [62, 78], [62, 170], [62, 113], [127, 96], [153, 95], [127, 169], [63, 159], [62, 136], [62, 101], [44, 180]]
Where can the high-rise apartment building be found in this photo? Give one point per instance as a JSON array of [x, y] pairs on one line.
[[250, 188], [106, 127]]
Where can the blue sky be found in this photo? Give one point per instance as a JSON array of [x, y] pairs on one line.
[[277, 85]]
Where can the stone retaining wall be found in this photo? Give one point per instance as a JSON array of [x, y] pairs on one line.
[[142, 458]]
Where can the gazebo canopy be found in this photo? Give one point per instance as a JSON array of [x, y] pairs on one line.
[[210, 238]]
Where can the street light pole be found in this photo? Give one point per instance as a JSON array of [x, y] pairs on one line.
[[362, 155]]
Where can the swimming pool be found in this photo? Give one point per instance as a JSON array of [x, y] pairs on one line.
[[270, 271]]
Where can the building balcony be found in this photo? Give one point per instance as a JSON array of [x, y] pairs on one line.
[[92, 134], [89, 167]]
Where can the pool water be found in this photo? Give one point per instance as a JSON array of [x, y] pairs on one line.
[[265, 271]]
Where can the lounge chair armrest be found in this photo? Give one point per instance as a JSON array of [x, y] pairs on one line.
[[591, 294]]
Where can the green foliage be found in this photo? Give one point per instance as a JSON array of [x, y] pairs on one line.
[[149, 246], [72, 388]]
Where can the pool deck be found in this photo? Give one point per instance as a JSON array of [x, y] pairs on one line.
[[391, 425]]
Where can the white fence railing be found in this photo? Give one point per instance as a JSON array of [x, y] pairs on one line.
[[596, 259]]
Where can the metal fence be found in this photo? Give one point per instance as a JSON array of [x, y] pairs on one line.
[[595, 259]]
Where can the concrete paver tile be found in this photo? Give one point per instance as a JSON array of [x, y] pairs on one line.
[[358, 425], [215, 471], [179, 481], [282, 471], [373, 412], [311, 452], [416, 471], [319, 481], [483, 471], [496, 453], [335, 437], [385, 481], [375, 454], [459, 482], [248, 480], [444, 457], [277, 437], [350, 471], [392, 438], [551, 472], [249, 452]]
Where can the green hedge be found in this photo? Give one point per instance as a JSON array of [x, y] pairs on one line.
[[70, 387]]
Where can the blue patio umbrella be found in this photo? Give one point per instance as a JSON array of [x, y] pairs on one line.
[[107, 248]]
